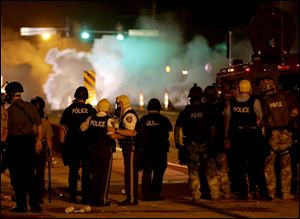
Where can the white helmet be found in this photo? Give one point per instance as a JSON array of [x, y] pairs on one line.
[[103, 105]]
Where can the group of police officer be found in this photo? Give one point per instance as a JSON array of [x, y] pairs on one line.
[[88, 140], [229, 145], [24, 137], [221, 141]]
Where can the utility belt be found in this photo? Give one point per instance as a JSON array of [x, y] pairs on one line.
[[283, 152], [246, 127], [126, 141]]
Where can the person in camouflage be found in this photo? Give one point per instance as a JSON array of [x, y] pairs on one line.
[[196, 125], [279, 136], [216, 107]]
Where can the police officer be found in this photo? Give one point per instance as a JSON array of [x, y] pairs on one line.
[[24, 141], [47, 143], [197, 128], [289, 90], [153, 134], [216, 107], [279, 136], [100, 128], [242, 117], [125, 134], [75, 147]]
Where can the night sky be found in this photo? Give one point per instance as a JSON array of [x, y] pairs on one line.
[[209, 18]]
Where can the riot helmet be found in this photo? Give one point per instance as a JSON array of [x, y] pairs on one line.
[[124, 100], [154, 105], [39, 103], [103, 105], [245, 86], [13, 88], [121, 100], [210, 93], [81, 93], [267, 86], [195, 93]]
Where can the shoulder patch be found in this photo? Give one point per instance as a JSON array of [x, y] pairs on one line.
[[129, 119]]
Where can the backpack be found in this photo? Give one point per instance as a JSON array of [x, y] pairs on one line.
[[276, 112]]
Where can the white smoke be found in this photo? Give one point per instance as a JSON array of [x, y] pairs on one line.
[[137, 64], [67, 67]]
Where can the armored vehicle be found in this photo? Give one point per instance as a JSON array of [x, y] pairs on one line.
[[272, 34]]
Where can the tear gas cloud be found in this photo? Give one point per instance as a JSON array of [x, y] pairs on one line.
[[131, 66]]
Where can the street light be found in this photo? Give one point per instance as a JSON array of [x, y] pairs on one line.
[[46, 36], [120, 36], [168, 69], [66, 31], [30, 31], [85, 35]]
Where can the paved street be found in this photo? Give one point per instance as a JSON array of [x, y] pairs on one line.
[[177, 203]]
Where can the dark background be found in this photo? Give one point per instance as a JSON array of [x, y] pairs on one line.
[[209, 18]]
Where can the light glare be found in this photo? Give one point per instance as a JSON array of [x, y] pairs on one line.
[[46, 36]]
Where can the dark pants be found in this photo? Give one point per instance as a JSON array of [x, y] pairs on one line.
[[130, 171], [154, 167], [101, 165], [79, 159], [248, 160], [40, 164], [22, 169], [74, 176]]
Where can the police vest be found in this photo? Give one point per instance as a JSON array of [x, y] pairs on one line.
[[196, 124], [72, 117], [242, 114], [97, 131], [122, 125], [276, 112], [154, 130]]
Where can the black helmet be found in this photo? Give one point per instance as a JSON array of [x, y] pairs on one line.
[[195, 92], [38, 100], [210, 93], [154, 105], [81, 93], [13, 87], [39, 103]]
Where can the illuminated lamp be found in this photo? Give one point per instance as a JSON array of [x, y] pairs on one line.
[[283, 67], [247, 69]]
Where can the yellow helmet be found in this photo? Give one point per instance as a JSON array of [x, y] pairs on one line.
[[103, 105], [245, 86], [124, 100]]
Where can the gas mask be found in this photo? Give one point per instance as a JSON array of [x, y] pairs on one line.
[[117, 111]]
